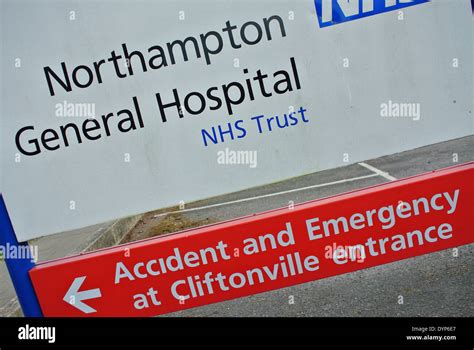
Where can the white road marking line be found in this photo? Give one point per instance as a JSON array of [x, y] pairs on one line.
[[267, 195], [378, 172]]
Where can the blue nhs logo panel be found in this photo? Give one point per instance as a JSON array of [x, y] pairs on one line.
[[331, 12]]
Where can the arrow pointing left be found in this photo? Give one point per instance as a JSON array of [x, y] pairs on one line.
[[75, 297]]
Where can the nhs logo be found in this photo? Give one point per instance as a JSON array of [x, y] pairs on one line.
[[331, 12]]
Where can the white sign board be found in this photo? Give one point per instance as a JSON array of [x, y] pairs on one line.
[[91, 128]]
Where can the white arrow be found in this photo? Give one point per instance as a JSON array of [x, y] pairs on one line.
[[76, 298]]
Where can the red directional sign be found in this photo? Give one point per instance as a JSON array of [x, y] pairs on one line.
[[271, 250]]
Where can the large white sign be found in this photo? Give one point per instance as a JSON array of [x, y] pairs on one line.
[[115, 108]]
